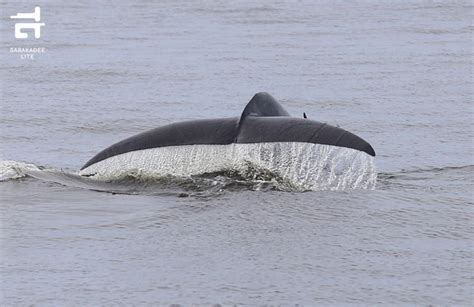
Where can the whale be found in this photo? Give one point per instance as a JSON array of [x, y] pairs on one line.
[[263, 121]]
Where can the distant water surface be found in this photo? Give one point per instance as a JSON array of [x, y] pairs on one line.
[[399, 74]]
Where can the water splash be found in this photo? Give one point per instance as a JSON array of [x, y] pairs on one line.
[[292, 166]]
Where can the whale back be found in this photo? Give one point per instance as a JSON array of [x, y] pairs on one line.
[[262, 120]]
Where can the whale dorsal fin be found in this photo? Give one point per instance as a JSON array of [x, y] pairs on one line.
[[263, 104]]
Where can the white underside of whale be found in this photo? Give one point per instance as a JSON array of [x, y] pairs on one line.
[[304, 166]]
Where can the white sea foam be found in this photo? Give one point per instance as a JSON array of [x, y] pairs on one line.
[[13, 169], [299, 166]]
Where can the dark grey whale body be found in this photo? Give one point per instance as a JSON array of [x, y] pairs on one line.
[[263, 120]]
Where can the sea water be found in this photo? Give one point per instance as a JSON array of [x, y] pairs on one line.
[[398, 74]]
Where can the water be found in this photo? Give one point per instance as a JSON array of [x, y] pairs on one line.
[[397, 74]]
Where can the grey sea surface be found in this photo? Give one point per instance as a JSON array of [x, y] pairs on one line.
[[397, 73]]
